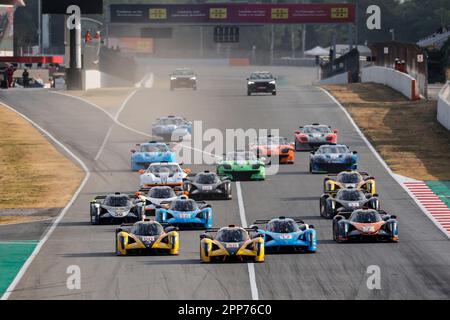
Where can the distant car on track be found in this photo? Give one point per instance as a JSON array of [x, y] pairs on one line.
[[116, 208], [274, 146], [147, 237], [261, 81], [333, 158], [242, 165], [148, 153], [366, 225], [183, 78], [350, 178], [172, 128], [207, 185], [163, 174], [313, 136], [287, 234], [231, 243], [157, 196]]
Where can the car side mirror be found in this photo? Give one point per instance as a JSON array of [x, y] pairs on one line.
[[355, 152], [181, 164], [336, 131], [376, 195], [297, 131], [187, 170], [393, 216], [171, 228], [203, 236], [142, 171], [133, 151], [311, 226], [313, 153], [248, 79]]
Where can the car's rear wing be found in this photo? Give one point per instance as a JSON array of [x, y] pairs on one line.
[[265, 221], [213, 230]]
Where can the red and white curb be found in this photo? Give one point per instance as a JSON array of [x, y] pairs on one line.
[[435, 207]]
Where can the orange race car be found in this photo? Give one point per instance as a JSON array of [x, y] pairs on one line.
[[272, 146]]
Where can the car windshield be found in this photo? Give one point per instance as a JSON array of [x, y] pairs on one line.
[[231, 235], [147, 229], [272, 141], [184, 205], [350, 195], [316, 129], [158, 169], [282, 226], [261, 76], [207, 178], [333, 149], [183, 72], [370, 216], [117, 201], [154, 148], [349, 178], [161, 193], [241, 156], [170, 121]]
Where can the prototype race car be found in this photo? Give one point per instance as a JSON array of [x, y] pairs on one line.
[[157, 196], [116, 208], [163, 174], [242, 165], [346, 201], [261, 81], [231, 243], [147, 237], [311, 137], [287, 234], [172, 128], [366, 225], [333, 158], [183, 78], [149, 153], [273, 146], [186, 213], [208, 185], [353, 179]]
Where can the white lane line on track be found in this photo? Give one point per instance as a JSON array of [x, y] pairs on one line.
[[384, 164], [52, 228], [251, 266]]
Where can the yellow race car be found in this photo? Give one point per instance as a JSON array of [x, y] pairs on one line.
[[350, 179], [147, 237], [231, 243]]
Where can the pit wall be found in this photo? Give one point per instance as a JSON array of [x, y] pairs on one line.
[[443, 110], [94, 79], [342, 78]]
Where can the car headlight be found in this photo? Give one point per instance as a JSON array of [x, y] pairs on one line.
[[173, 78], [272, 82], [193, 78], [251, 82], [286, 150], [256, 166], [227, 167]]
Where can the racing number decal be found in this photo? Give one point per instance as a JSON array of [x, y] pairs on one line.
[[339, 13], [218, 13], [158, 13], [280, 13]]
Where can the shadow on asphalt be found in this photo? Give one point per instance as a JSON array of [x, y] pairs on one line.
[[173, 261], [310, 198]]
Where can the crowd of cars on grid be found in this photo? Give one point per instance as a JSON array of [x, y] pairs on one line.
[[171, 198]]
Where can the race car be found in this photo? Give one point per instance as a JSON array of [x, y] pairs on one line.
[[333, 158], [186, 213], [366, 225], [353, 179], [172, 128], [163, 174], [207, 185], [287, 234], [183, 78], [261, 81], [242, 165], [346, 201], [116, 208], [157, 196], [148, 153], [147, 237], [231, 243], [311, 137], [274, 146]]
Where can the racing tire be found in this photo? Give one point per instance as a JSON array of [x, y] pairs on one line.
[[310, 168], [274, 93], [296, 146], [95, 220], [249, 93]]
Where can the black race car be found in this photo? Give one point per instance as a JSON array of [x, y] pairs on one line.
[[207, 185], [183, 78], [116, 208], [261, 81]]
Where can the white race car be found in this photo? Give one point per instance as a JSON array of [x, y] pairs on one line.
[[157, 196], [163, 174]]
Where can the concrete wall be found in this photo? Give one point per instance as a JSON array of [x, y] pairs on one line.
[[443, 111], [94, 79], [397, 80], [342, 78]]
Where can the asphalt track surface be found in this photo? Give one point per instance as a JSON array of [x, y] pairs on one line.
[[418, 267]]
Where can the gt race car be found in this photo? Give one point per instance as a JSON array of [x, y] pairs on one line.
[[183, 78], [333, 158], [231, 243], [186, 213], [366, 225], [261, 81], [207, 185], [273, 146], [287, 234], [350, 179], [346, 201], [157, 196], [172, 128], [163, 174], [242, 165], [311, 137], [148, 153], [147, 237], [116, 208]]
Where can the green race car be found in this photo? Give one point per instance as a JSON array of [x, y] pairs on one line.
[[242, 165]]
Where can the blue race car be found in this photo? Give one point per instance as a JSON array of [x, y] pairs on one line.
[[285, 234], [149, 153], [172, 128], [333, 159], [186, 213]]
